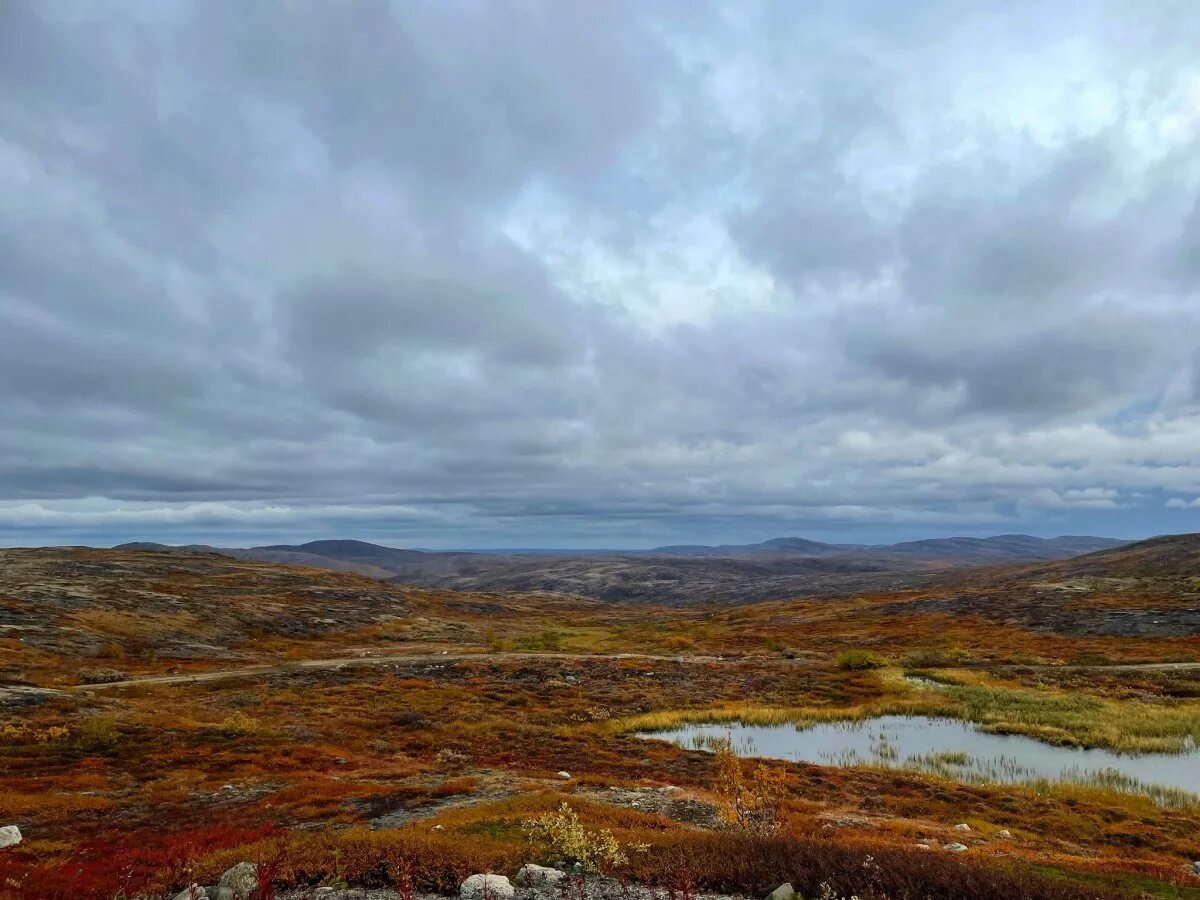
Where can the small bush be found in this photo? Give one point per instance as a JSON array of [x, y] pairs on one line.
[[751, 804], [238, 724], [25, 734], [936, 657], [860, 660], [1091, 658], [562, 834], [98, 734]]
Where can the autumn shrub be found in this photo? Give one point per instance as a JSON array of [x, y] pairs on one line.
[[734, 862], [562, 834], [860, 660], [238, 723], [127, 864], [749, 803], [937, 657], [431, 861], [1091, 658], [545, 641], [29, 734], [98, 734]]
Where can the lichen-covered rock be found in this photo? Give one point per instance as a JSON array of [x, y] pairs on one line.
[[241, 880], [192, 892], [783, 892], [955, 848], [486, 887], [10, 836], [539, 876], [962, 826]]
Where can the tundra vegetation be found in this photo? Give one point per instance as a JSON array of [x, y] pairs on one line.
[[428, 742]]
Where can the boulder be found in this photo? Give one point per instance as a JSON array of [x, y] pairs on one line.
[[955, 848], [241, 881], [486, 887], [1196, 867], [566, 776], [783, 892], [192, 892], [1004, 833], [962, 826], [539, 876], [10, 836]]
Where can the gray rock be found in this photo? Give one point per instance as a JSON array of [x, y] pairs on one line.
[[192, 892], [486, 887], [955, 848], [10, 836], [783, 892], [566, 776], [1196, 867], [539, 876], [1004, 833], [962, 826], [241, 880]]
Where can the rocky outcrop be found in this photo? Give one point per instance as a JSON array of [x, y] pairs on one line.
[[239, 882], [10, 836], [486, 887], [539, 876]]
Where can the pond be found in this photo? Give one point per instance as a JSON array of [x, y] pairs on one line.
[[955, 749]]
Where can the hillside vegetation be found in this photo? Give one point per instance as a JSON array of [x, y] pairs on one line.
[[166, 714]]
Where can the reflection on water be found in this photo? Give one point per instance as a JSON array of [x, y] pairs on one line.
[[958, 750]]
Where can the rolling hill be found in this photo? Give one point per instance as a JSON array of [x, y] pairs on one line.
[[675, 575]]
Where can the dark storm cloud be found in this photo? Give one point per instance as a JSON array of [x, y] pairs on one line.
[[468, 274]]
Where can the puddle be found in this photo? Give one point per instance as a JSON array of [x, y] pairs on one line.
[[955, 749]]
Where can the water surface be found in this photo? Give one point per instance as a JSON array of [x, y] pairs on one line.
[[955, 749]]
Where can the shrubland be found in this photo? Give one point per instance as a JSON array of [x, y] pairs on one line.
[[431, 768]]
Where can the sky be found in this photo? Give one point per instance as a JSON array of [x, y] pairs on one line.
[[579, 274]]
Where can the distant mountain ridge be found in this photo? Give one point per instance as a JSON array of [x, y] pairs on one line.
[[673, 575], [1017, 547]]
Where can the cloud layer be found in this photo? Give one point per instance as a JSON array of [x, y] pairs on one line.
[[578, 274]]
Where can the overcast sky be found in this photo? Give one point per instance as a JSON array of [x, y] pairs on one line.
[[478, 274]]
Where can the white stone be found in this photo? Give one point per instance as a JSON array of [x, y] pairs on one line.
[[566, 776], [486, 887], [10, 836], [955, 848], [962, 826], [1004, 833], [783, 892]]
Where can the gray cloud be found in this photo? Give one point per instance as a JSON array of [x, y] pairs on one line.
[[570, 273]]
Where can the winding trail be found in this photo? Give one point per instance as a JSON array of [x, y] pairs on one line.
[[343, 662], [347, 662]]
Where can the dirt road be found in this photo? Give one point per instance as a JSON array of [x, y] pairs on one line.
[[344, 662]]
